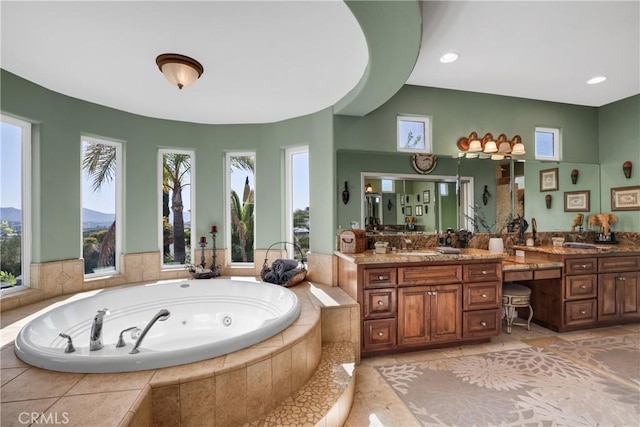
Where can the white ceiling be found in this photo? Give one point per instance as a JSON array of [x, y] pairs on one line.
[[545, 50], [267, 61]]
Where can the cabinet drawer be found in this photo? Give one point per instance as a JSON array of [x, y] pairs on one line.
[[581, 286], [379, 277], [379, 334], [516, 276], [379, 303], [482, 295], [481, 323], [581, 266], [482, 272], [430, 275], [554, 273], [580, 312], [618, 263]]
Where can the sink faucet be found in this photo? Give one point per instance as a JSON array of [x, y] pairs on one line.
[[162, 315], [95, 342]]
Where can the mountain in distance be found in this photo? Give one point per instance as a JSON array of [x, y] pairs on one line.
[[91, 218], [10, 215]]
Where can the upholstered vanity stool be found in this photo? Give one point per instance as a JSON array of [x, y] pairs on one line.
[[515, 295]]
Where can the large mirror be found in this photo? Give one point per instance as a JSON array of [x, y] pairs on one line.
[[395, 203], [498, 189]]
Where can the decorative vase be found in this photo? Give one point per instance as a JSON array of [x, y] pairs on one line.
[[496, 244]]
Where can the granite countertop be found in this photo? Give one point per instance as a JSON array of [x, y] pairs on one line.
[[531, 262], [559, 250], [420, 255]]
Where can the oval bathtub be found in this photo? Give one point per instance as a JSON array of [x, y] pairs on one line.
[[207, 319]]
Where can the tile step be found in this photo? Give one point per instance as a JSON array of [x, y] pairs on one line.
[[325, 400]]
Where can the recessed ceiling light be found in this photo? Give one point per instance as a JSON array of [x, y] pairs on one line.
[[596, 80], [449, 57]]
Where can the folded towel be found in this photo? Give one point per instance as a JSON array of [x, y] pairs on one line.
[[270, 277], [279, 266]]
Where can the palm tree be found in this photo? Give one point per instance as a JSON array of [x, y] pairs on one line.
[[242, 214], [99, 161], [175, 168]]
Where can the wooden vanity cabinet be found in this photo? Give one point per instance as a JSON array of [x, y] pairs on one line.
[[415, 306], [593, 290]]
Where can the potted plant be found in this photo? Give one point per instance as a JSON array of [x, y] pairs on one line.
[[494, 228]]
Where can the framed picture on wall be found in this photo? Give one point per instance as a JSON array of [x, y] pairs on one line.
[[625, 198], [418, 210], [576, 201], [407, 211], [426, 196], [549, 179]]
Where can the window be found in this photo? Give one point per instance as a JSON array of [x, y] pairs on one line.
[[414, 134], [176, 197], [240, 221], [387, 185], [297, 193], [15, 206], [101, 200], [547, 143]]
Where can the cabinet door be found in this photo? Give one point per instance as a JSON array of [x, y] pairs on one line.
[[414, 313], [446, 313], [629, 294], [607, 304], [618, 295]]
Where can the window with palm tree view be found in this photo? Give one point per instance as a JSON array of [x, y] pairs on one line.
[[101, 181], [241, 185], [176, 188]]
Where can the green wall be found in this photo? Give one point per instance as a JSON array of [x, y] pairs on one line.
[[60, 121], [588, 135]]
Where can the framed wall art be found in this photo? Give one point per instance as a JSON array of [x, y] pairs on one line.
[[407, 211], [625, 198], [577, 201], [549, 179], [418, 210], [426, 197]]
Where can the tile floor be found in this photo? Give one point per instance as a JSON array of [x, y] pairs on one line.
[[376, 404]]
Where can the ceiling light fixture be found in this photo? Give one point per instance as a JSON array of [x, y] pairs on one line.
[[180, 70], [596, 80], [498, 149], [449, 57]]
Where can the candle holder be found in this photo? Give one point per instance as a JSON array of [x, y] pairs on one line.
[[215, 268], [203, 244]]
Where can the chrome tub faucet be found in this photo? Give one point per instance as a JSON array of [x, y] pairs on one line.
[[162, 315], [95, 342]]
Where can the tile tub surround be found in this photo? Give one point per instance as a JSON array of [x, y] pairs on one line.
[[215, 391]]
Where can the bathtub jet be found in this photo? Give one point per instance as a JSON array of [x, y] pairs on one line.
[[206, 321]]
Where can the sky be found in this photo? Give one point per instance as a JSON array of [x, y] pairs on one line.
[[103, 200]]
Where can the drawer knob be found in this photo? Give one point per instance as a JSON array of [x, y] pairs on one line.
[[583, 266], [483, 324], [483, 295], [583, 312], [380, 334], [381, 277], [484, 271], [583, 287], [380, 302]]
